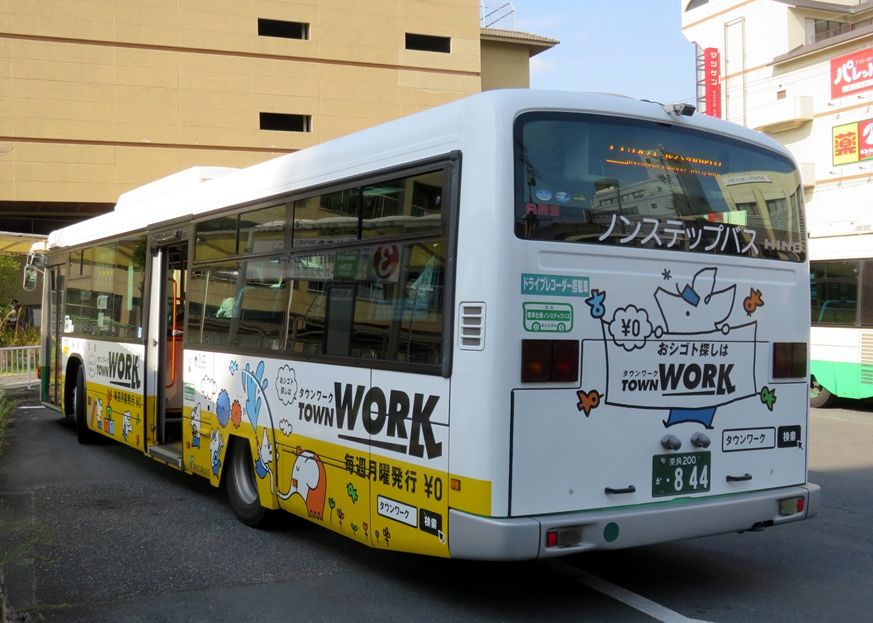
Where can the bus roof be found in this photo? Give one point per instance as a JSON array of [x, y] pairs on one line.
[[429, 133]]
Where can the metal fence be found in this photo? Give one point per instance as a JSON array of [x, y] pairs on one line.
[[18, 366]]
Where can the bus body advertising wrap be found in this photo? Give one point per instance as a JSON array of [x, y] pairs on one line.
[[427, 343]]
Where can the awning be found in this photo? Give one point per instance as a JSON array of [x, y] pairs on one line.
[[12, 243]]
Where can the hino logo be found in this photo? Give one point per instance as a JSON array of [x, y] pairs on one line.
[[783, 245]]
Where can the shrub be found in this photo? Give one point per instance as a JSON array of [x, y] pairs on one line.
[[6, 407], [26, 336]]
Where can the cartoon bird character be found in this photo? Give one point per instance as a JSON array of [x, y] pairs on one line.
[[753, 301], [309, 482], [698, 307]]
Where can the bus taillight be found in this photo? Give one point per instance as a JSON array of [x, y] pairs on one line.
[[789, 360], [791, 506], [544, 361], [564, 537]]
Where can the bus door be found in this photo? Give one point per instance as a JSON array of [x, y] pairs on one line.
[[169, 279], [54, 276]]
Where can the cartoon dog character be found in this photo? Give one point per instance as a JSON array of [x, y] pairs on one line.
[[216, 443], [126, 427], [309, 482], [265, 457], [97, 414], [195, 426]]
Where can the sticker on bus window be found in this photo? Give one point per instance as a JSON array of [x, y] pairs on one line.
[[542, 317]]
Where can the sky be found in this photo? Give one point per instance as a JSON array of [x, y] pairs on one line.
[[631, 47]]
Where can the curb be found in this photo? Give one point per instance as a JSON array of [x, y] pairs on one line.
[[18, 392]]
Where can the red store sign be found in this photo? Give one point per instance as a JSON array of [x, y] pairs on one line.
[[712, 69], [852, 73]]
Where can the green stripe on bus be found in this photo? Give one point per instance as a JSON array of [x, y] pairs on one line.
[[843, 379]]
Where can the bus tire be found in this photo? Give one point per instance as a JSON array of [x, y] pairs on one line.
[[242, 487], [80, 414], [819, 397]]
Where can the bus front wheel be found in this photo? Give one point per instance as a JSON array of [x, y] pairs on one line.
[[819, 397], [242, 487]]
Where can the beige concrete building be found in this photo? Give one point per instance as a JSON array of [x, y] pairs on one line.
[[100, 96]]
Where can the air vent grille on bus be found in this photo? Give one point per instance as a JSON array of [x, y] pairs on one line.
[[472, 335], [867, 358]]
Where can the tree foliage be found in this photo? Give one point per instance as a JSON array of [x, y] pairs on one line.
[[10, 277]]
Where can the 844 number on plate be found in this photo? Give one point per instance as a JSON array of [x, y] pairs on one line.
[[675, 474]]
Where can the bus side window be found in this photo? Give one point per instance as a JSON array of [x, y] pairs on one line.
[[838, 312]]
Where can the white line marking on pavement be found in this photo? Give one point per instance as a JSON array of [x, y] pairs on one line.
[[637, 602]]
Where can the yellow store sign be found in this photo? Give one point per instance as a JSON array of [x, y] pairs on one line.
[[852, 142], [845, 143]]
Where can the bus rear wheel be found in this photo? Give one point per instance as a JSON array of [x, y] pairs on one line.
[[819, 397], [242, 487]]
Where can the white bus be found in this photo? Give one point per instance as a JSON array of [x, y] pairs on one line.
[[841, 338], [521, 325]]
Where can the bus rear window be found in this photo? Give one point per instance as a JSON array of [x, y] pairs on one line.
[[632, 183]]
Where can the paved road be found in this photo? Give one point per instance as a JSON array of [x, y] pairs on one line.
[[103, 534]]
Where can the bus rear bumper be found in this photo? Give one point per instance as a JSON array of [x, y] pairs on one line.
[[525, 538]]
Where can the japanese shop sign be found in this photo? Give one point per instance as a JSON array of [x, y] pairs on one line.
[[852, 142], [852, 73], [712, 69]]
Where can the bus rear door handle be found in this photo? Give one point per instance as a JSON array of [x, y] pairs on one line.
[[738, 478], [627, 489]]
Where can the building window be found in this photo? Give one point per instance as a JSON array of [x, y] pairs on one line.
[[821, 29], [284, 122], [283, 29], [428, 43]]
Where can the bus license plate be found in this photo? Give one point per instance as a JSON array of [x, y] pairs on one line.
[[675, 474]]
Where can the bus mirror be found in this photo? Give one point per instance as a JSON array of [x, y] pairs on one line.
[[36, 259], [31, 277]]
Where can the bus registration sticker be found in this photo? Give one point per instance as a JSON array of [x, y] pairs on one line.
[[548, 317], [675, 474]]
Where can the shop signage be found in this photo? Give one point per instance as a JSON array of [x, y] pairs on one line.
[[852, 142], [852, 73], [712, 70]]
